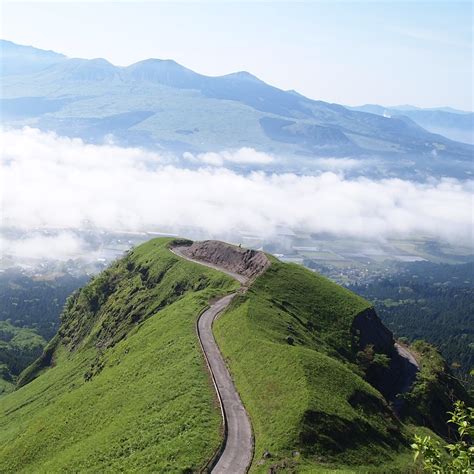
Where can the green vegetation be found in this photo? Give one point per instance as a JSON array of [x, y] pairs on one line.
[[36, 302], [124, 386], [6, 386], [456, 457], [29, 316], [19, 347], [433, 392], [434, 302], [308, 402]]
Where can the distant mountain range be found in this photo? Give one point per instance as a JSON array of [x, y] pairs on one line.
[[162, 105], [454, 124]]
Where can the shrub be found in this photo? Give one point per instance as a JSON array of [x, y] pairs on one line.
[[456, 457]]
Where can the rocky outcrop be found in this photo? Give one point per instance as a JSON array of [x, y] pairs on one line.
[[371, 331], [399, 374], [246, 262]]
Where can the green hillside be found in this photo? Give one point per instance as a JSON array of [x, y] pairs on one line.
[[123, 385], [139, 403], [308, 402]]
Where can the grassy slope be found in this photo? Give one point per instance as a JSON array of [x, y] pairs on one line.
[[309, 406], [148, 404]]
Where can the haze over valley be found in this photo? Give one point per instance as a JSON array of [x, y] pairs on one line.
[[105, 141]]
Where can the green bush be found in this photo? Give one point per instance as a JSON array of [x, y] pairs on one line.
[[456, 457]]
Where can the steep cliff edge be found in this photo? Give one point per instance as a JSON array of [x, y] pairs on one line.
[[390, 368]]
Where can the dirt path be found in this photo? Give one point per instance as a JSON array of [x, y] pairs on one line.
[[236, 455], [237, 276]]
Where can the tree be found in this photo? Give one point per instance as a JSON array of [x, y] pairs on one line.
[[457, 457]]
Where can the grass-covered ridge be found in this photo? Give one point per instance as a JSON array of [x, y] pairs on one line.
[[123, 387], [290, 348]]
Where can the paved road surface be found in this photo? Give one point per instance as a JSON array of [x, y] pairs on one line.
[[237, 453]]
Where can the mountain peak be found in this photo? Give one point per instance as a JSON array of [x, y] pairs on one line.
[[97, 69], [163, 71], [101, 62], [243, 75], [153, 62]]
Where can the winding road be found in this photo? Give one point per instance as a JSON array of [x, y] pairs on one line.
[[236, 455]]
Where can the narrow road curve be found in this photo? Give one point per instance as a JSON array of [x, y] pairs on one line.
[[236, 456]]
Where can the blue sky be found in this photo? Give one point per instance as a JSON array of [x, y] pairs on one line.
[[346, 52]]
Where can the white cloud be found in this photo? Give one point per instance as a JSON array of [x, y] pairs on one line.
[[48, 180], [244, 155], [338, 164], [63, 246]]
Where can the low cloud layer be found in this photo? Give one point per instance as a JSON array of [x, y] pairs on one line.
[[243, 156], [48, 180], [62, 246]]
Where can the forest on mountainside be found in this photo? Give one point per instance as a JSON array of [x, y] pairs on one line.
[[430, 301]]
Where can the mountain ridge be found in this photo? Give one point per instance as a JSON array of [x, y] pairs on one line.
[[124, 383], [71, 96], [452, 123]]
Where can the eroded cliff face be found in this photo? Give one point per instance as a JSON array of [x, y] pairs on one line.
[[246, 262], [371, 331], [399, 373]]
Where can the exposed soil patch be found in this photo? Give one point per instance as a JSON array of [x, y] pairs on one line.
[[245, 262]]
